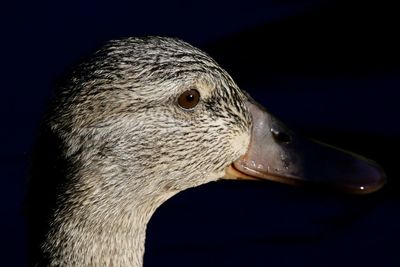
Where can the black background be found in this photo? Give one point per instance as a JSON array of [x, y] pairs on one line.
[[329, 69]]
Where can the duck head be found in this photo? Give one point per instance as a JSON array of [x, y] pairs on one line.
[[168, 110], [145, 118]]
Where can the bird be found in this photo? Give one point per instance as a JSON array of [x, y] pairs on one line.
[[142, 119]]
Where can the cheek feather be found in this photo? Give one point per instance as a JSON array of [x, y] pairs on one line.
[[240, 143]]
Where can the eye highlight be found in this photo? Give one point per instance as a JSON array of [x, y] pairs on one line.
[[189, 99]]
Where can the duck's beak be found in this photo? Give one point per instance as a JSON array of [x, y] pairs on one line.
[[276, 153]]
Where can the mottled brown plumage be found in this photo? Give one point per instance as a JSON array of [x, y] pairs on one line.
[[129, 146]]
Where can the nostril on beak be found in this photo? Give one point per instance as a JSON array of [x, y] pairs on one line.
[[281, 137]]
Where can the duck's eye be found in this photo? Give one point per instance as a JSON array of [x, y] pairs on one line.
[[189, 99]]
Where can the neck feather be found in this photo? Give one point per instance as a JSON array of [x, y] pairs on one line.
[[99, 231]]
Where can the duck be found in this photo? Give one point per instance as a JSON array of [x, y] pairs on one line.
[[142, 119]]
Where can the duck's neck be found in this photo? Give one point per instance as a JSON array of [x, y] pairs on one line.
[[93, 231]]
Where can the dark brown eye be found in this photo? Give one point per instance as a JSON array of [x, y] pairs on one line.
[[189, 99]]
